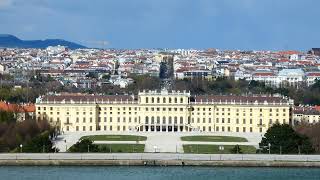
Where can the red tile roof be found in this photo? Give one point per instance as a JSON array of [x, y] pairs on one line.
[[86, 98], [313, 74], [264, 74], [4, 106]]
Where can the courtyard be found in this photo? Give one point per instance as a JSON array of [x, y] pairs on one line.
[[164, 142]]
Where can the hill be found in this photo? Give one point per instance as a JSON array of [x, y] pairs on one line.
[[10, 41]]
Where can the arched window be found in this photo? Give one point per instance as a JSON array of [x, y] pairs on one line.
[[152, 100], [147, 100], [170, 100], [158, 120], [152, 120], [175, 120], [181, 120], [181, 100], [170, 120], [158, 100], [164, 120], [147, 120], [164, 100], [175, 100]]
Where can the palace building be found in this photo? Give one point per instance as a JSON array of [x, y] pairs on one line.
[[164, 111]]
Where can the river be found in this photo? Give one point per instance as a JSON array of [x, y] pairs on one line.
[[154, 173]]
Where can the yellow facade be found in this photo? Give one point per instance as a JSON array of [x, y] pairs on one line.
[[163, 112]]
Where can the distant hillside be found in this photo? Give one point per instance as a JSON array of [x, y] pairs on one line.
[[10, 41]]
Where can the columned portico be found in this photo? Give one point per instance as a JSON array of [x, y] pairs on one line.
[[163, 128]]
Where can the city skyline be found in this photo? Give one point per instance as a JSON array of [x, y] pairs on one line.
[[243, 24]]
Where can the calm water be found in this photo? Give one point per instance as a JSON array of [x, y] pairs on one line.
[[156, 173]]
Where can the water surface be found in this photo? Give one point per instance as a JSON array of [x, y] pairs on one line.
[[155, 173]]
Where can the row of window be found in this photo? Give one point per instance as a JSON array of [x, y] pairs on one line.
[[228, 120], [124, 128], [164, 121], [237, 114], [228, 129], [164, 109], [164, 100], [237, 110], [98, 128]]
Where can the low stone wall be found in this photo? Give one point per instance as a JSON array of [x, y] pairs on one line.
[[157, 163]]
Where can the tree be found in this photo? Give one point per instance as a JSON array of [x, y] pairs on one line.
[[106, 76], [92, 75], [236, 150], [84, 145], [312, 131], [40, 144], [7, 117], [281, 138]]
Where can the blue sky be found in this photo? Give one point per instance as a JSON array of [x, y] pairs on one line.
[[223, 24]]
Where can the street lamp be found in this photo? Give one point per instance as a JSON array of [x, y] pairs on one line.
[[65, 141], [21, 148]]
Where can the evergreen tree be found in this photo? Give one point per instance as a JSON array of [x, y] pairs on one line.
[[281, 138], [84, 145]]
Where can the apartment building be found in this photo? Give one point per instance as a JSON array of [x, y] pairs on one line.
[[163, 111]]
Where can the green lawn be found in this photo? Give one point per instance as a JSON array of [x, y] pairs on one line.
[[214, 149], [115, 138], [121, 148], [214, 139]]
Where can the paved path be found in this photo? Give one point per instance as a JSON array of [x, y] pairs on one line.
[[164, 141]]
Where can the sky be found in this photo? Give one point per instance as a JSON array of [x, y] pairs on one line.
[[199, 24]]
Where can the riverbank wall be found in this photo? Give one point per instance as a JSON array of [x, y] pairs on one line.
[[157, 163], [158, 159]]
